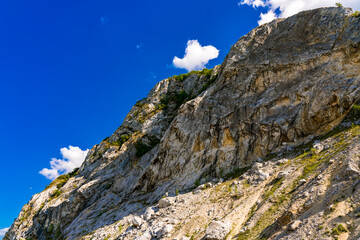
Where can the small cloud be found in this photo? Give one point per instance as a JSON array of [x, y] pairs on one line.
[[104, 20], [30, 188], [288, 8], [253, 3], [139, 46], [196, 56], [73, 157], [3, 231]]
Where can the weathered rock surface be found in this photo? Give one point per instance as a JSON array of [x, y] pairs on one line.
[[217, 230], [281, 85]]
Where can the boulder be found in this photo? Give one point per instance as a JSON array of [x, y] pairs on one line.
[[217, 230], [166, 202], [293, 226], [136, 221], [148, 213]]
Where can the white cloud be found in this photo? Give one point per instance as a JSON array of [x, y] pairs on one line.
[[3, 231], [196, 56], [254, 3], [267, 17], [290, 7], [73, 157]]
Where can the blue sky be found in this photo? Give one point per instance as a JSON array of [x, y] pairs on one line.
[[71, 70]]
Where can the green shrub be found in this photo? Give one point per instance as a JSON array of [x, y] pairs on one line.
[[356, 14], [57, 193], [339, 5], [208, 83], [338, 230], [142, 148], [206, 72], [140, 103], [197, 182], [182, 77], [177, 98], [123, 138]]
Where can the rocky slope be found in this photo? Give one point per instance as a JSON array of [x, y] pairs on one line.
[[202, 156]]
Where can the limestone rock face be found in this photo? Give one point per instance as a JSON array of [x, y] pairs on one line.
[[282, 82], [281, 85]]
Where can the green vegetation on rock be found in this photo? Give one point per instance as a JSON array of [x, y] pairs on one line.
[[62, 179], [177, 98], [356, 14], [338, 230], [123, 138], [182, 77], [142, 147]]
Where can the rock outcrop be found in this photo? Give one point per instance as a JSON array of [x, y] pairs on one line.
[[280, 86]]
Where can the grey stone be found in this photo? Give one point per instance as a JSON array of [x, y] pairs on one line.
[[148, 213], [136, 221], [166, 202], [217, 230]]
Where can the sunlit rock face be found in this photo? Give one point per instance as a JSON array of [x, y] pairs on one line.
[[282, 84]]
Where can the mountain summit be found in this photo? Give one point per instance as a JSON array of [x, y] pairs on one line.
[[265, 146]]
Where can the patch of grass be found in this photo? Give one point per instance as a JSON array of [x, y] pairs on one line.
[[62, 179], [338, 229], [252, 211], [276, 185], [123, 138], [246, 184], [311, 163]]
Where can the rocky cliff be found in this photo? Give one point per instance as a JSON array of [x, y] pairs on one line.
[[252, 149]]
